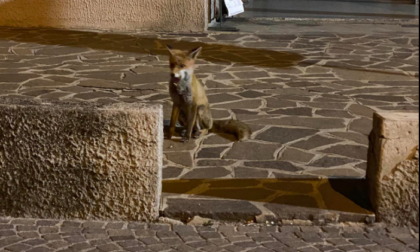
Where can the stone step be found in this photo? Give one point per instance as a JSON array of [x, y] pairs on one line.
[[261, 200]]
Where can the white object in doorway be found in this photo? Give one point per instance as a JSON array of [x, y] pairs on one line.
[[234, 7]]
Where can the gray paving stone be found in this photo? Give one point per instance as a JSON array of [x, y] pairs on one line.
[[312, 123], [252, 75], [219, 98], [252, 94], [382, 98], [220, 114], [215, 84], [160, 227], [29, 235], [328, 161], [315, 142], [351, 151], [338, 173], [26, 228], [295, 155], [284, 135], [396, 83], [292, 111], [215, 163], [355, 137], [241, 172], [61, 51], [6, 226], [260, 151], [47, 223], [211, 152], [280, 103], [334, 113], [274, 165], [17, 77], [95, 95], [48, 230], [182, 158], [55, 95], [362, 125], [171, 172], [245, 104], [146, 78], [178, 146], [361, 111], [103, 84], [218, 140], [35, 242], [7, 233], [326, 105], [36, 93], [18, 247], [204, 173], [228, 36]]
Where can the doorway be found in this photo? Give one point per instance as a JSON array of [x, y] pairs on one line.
[[353, 9]]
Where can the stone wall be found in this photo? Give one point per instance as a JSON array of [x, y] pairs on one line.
[[393, 168], [150, 15], [80, 161]]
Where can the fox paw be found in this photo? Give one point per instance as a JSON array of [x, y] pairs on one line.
[[197, 134], [167, 135]]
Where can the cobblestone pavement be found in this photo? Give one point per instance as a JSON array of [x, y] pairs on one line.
[[73, 236], [309, 97]]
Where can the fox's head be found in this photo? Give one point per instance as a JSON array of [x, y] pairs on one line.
[[182, 64]]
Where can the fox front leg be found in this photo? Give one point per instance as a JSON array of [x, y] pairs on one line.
[[174, 120], [192, 118]]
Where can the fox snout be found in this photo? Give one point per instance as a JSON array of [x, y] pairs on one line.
[[175, 78], [179, 74], [184, 75]]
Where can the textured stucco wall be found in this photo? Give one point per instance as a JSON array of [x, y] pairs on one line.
[[400, 195], [393, 168], [80, 161], [151, 15]]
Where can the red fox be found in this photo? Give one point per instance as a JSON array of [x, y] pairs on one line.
[[190, 104]]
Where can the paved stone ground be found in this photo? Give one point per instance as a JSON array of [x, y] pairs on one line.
[[73, 236], [309, 97]]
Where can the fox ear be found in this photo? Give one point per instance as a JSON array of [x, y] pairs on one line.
[[169, 48], [195, 53]]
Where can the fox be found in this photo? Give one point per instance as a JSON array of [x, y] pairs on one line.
[[191, 106]]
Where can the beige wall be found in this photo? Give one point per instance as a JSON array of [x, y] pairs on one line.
[[151, 15]]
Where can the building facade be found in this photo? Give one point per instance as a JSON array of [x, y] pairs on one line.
[[143, 15]]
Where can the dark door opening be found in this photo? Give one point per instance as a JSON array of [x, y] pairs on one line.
[[366, 9]]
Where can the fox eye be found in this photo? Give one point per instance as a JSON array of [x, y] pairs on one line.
[[182, 65]]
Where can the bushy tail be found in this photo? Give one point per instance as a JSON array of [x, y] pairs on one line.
[[239, 129]]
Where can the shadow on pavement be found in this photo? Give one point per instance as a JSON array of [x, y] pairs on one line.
[[345, 195], [143, 44]]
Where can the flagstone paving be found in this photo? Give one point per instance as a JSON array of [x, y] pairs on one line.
[[309, 97], [35, 235]]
